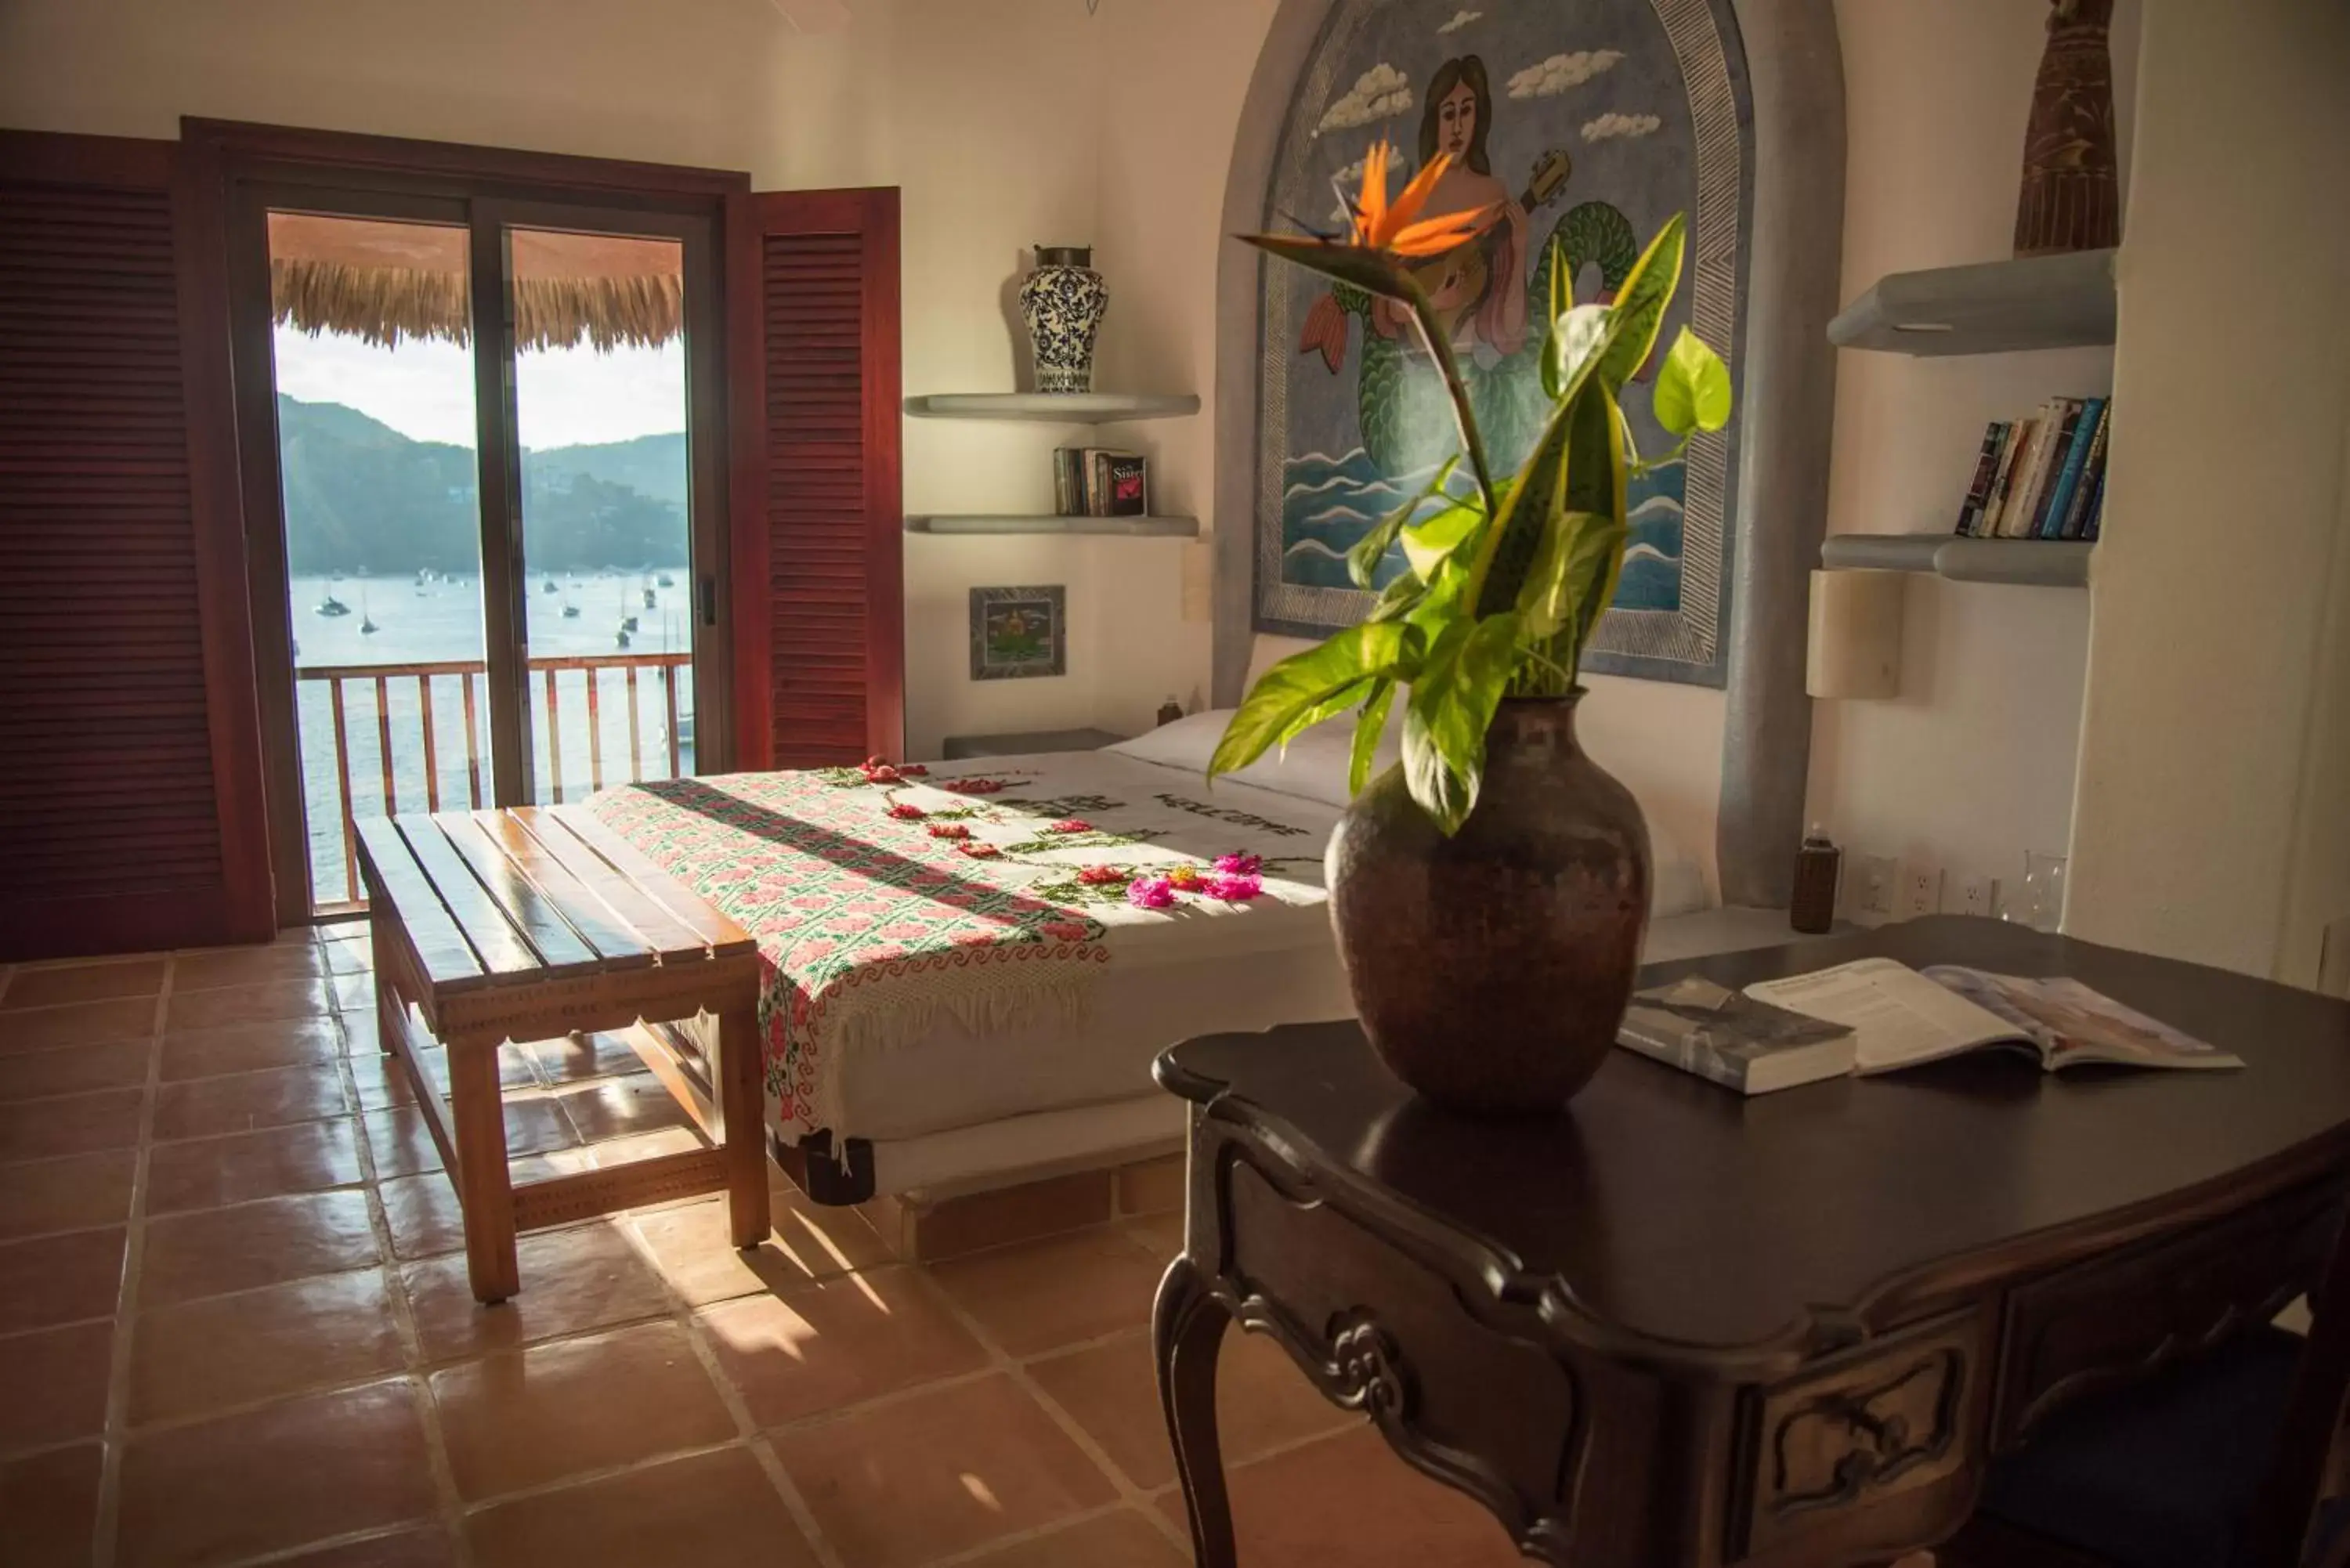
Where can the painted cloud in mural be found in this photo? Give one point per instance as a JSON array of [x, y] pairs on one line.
[[1344, 184], [1560, 72], [1613, 124], [1459, 20], [1378, 93]]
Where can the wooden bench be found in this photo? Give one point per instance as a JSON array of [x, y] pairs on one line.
[[535, 922]]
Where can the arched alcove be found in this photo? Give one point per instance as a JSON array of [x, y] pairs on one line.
[[1732, 112]]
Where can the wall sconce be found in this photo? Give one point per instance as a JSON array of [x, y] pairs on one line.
[[1855, 646]]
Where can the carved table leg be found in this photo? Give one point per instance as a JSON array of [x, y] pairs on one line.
[[1186, 1328]]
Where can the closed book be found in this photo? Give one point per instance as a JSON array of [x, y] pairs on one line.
[[1128, 493], [1064, 489], [2052, 464], [2092, 474], [2091, 524], [2074, 462], [2003, 481], [2015, 519], [1733, 1039], [1986, 470]]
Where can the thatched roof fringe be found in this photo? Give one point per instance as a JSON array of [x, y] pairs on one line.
[[387, 304]]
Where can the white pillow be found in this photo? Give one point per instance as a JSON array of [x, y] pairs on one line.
[[1315, 767]]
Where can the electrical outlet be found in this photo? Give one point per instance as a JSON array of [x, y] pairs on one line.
[[1872, 882], [1919, 891], [1977, 896]]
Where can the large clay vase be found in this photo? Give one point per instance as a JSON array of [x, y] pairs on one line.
[[2071, 197], [1492, 969], [1063, 302]]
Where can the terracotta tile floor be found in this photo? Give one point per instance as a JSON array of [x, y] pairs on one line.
[[234, 1329]]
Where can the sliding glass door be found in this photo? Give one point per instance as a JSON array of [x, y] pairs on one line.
[[500, 506]]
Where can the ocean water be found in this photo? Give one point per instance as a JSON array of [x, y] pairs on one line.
[[442, 621], [1328, 503]]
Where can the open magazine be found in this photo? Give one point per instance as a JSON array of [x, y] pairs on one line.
[[1900, 1017]]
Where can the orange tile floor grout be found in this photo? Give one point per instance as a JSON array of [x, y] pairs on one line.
[[235, 1329]]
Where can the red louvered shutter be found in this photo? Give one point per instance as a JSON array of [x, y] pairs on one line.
[[818, 547], [115, 836]]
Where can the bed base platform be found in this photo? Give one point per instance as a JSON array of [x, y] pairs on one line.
[[991, 1155]]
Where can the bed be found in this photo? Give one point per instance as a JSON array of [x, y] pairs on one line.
[[962, 984]]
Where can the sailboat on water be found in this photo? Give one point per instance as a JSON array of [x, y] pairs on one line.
[[367, 626]]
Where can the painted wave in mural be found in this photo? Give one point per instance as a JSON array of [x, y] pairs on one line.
[[1328, 503]]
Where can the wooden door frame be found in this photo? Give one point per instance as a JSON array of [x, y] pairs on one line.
[[240, 487]]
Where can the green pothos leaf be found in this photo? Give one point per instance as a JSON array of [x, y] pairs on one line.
[[1428, 542], [1301, 683], [1451, 708], [1363, 560], [1692, 390]]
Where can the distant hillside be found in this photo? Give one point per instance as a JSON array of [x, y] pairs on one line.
[[362, 497], [651, 465]]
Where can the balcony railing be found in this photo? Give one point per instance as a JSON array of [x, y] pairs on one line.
[[415, 750]]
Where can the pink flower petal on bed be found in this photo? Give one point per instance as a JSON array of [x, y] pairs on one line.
[[949, 830], [979, 849], [1240, 865], [1102, 875], [906, 813], [1232, 889], [1150, 893], [1074, 825]]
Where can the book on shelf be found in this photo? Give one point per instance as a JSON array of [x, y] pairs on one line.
[[1732, 1038], [2003, 482], [1096, 482], [2040, 477], [2064, 418], [2070, 464], [1903, 1017], [2096, 509], [1994, 443], [2093, 477]]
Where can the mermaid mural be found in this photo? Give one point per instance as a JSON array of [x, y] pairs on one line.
[[1595, 109]]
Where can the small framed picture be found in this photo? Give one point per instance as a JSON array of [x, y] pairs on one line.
[[1019, 633]]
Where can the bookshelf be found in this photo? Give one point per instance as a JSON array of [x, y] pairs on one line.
[[1053, 408], [1004, 522], [1988, 307], [2034, 562]]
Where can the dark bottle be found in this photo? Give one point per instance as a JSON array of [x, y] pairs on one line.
[[1816, 864], [1169, 711]]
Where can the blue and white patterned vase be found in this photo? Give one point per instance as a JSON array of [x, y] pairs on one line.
[[1063, 301]]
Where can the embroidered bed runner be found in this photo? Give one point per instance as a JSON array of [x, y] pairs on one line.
[[882, 898]]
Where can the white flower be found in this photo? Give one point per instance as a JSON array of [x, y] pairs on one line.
[[1560, 72], [1378, 93]]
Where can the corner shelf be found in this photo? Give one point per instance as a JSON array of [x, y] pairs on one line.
[[1113, 527], [2036, 563], [1053, 408], [1990, 307]]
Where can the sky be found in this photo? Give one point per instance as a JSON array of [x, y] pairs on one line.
[[424, 387]]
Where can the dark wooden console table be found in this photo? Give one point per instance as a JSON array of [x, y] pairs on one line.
[[1677, 1327]]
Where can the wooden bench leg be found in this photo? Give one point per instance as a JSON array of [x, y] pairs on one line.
[[743, 1108], [386, 974], [483, 1184]]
